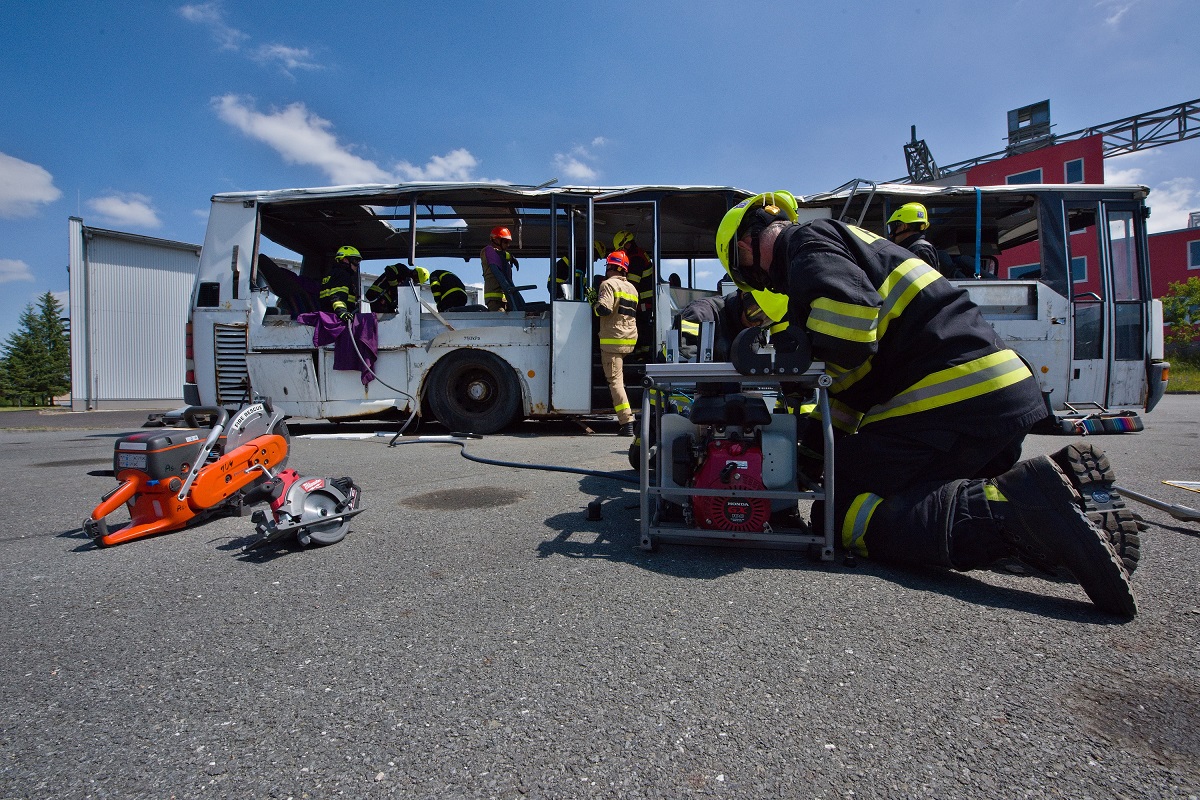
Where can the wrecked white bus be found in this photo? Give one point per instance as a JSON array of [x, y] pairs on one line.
[[473, 370], [1061, 272]]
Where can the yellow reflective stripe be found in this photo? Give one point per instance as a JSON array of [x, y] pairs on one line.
[[493, 294], [451, 291], [854, 526], [842, 378], [846, 321], [954, 384], [621, 407], [865, 235], [992, 493], [619, 342], [900, 287], [689, 327], [843, 416], [626, 296], [335, 290], [646, 294]]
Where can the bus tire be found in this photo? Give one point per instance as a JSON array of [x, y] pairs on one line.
[[473, 391]]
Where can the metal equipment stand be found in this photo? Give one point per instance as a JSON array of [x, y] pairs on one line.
[[663, 378]]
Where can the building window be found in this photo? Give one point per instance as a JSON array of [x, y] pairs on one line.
[[1194, 255], [1073, 171], [1078, 269], [1028, 176], [1024, 271]]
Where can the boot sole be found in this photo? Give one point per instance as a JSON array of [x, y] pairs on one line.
[[1048, 510], [1092, 475]]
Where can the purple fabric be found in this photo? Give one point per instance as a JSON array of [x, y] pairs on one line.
[[328, 329]]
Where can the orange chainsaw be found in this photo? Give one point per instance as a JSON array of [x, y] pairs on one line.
[[183, 472]]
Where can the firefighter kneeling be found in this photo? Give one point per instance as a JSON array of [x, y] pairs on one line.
[[930, 406]]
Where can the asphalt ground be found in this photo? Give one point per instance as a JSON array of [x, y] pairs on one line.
[[476, 636]]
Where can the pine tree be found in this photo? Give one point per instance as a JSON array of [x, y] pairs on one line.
[[36, 362]]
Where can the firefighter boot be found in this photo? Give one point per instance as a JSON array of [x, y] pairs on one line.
[[1093, 477], [1044, 523]]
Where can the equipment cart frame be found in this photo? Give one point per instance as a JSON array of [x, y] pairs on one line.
[[663, 378]]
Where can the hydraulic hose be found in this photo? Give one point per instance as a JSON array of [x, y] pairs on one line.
[[375, 376], [462, 449]]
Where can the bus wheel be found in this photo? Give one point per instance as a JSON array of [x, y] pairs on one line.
[[473, 391]]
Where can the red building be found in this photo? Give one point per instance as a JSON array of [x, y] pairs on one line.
[[1174, 255]]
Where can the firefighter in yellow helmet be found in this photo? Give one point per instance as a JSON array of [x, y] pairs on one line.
[[906, 227], [930, 406], [339, 286], [448, 290], [616, 306]]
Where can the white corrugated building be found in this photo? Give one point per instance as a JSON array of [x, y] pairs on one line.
[[129, 308]]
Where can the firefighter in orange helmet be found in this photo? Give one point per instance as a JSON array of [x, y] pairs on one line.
[[616, 306], [495, 258]]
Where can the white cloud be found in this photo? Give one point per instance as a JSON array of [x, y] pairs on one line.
[[131, 210], [23, 187], [13, 270], [573, 169], [1170, 204], [457, 165], [575, 166], [1114, 10], [302, 137], [212, 16], [1127, 176], [288, 57]]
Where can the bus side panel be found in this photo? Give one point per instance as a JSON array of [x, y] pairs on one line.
[[571, 383], [230, 226], [289, 379], [1032, 319]]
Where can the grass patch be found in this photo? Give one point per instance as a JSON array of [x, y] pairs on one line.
[[1184, 378]]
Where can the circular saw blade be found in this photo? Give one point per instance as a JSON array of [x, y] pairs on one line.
[[318, 504]]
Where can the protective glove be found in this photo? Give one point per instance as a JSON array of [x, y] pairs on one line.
[[590, 294], [346, 316]]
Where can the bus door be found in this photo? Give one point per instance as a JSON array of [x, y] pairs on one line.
[[1122, 253], [1086, 287], [570, 313], [612, 214]]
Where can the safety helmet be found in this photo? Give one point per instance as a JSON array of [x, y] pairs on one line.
[[422, 274], [751, 215], [910, 214], [618, 260], [346, 252], [621, 239], [771, 305], [501, 233]]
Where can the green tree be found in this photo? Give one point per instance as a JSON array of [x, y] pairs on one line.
[[36, 360], [1181, 311]]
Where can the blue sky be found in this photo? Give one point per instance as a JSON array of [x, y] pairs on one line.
[[131, 115]]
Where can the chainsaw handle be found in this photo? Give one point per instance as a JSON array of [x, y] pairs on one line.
[[190, 413], [202, 455]]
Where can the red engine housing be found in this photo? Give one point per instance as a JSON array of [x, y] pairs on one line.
[[731, 465]]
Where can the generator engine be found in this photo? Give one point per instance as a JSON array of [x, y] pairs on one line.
[[734, 446], [731, 464]]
